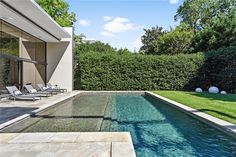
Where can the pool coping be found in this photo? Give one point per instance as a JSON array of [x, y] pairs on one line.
[[107, 144], [217, 123]]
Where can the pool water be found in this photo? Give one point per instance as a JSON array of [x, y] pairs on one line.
[[157, 129]]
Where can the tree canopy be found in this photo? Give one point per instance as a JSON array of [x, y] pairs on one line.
[[97, 46], [150, 40], [204, 25], [199, 13], [221, 33], [178, 40], [59, 11]]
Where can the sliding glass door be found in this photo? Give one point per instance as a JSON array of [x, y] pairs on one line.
[[22, 57]]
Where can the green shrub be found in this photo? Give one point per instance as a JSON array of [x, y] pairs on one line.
[[219, 69], [109, 71], [112, 71]]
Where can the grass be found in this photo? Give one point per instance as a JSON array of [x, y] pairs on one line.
[[217, 105]]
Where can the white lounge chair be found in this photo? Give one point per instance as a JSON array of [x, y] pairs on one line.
[[49, 89], [33, 91], [50, 86], [17, 95]]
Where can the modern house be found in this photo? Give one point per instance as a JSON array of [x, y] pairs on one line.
[[33, 47]]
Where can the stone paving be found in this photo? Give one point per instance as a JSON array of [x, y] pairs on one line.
[[93, 144]]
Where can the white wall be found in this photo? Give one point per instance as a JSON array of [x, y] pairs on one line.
[[32, 73], [60, 62]]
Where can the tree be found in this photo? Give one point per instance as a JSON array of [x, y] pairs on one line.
[[157, 42], [79, 38], [94, 47], [221, 33], [176, 41], [150, 39], [199, 13], [124, 51], [59, 11]]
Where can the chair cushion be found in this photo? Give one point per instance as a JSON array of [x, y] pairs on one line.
[[17, 92], [33, 91], [44, 88]]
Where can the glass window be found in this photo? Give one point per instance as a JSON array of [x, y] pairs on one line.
[[9, 40], [9, 73], [15, 47]]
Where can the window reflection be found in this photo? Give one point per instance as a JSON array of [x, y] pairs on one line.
[[15, 47]]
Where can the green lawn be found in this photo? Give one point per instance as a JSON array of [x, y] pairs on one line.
[[220, 106]]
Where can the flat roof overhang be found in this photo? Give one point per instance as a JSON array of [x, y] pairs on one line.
[[28, 16]]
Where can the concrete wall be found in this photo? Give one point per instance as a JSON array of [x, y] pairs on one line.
[[32, 73], [26, 51], [60, 62]]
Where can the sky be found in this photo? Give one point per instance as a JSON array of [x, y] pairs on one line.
[[121, 22]]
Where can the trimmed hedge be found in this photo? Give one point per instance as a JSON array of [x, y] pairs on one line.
[[219, 69], [112, 71], [97, 71]]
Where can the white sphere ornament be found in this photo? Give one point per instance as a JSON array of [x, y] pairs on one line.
[[213, 89], [198, 90], [223, 92]]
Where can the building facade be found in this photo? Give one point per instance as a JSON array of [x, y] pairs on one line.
[[33, 47]]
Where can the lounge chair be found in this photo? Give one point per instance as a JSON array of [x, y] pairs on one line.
[[32, 91], [17, 95], [54, 87], [4, 97], [48, 89]]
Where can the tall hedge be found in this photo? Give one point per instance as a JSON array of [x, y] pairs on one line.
[[218, 69], [97, 71], [112, 71]]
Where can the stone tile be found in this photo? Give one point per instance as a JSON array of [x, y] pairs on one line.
[[46, 147], [32, 138], [122, 149], [14, 147], [19, 154], [87, 149], [4, 138], [90, 144], [103, 137], [64, 137]]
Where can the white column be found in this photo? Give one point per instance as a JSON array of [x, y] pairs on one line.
[[60, 62]]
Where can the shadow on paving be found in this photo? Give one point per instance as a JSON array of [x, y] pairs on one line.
[[9, 113]]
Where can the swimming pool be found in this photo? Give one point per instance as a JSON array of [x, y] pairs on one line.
[[157, 129]]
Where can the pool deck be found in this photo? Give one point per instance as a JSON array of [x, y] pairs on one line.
[[93, 144]]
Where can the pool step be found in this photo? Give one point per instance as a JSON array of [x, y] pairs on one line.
[[106, 124], [107, 116]]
